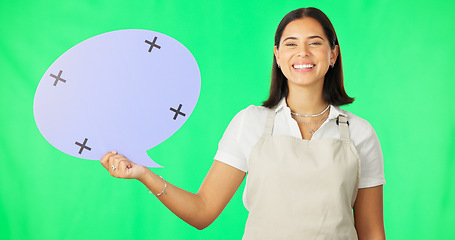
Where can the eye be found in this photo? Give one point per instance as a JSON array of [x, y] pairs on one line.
[[290, 44], [315, 43]]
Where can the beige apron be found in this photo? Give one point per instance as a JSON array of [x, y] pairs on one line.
[[300, 189]]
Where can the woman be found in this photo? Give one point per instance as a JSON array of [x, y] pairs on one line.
[[301, 152]]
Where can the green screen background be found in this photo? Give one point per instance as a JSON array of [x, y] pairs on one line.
[[397, 58]]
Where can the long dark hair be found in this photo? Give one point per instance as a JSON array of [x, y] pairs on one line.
[[333, 91]]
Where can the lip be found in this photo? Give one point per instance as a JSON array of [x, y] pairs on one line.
[[303, 69]]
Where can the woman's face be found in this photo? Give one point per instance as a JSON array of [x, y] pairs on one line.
[[304, 54]]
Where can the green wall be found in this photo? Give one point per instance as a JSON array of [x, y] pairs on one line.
[[398, 65]]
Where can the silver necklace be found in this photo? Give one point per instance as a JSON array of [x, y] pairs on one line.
[[311, 132], [309, 123], [314, 115]]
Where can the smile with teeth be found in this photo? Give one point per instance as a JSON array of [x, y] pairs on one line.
[[303, 66]]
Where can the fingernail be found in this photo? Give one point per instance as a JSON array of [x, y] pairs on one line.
[[114, 152]]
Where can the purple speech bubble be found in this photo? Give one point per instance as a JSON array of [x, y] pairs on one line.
[[126, 90]]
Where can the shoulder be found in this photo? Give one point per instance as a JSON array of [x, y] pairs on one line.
[[249, 121], [244, 130], [367, 145], [359, 128], [255, 113]]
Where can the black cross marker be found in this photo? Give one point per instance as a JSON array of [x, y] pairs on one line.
[[177, 112], [58, 78], [82, 145], [152, 44]]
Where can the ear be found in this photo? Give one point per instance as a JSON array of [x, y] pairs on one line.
[[275, 52], [334, 54]]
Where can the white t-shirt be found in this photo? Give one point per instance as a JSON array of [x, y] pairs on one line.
[[247, 127]]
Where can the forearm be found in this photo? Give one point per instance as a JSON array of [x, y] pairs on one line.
[[370, 233], [368, 214], [198, 210], [188, 206], [372, 238]]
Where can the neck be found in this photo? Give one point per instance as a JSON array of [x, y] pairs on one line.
[[306, 101]]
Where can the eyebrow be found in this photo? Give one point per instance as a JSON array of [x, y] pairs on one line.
[[310, 37], [316, 36]]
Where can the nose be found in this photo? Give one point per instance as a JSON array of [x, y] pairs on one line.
[[302, 50]]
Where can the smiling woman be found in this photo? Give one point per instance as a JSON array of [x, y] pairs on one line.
[[305, 54], [333, 90], [314, 171]]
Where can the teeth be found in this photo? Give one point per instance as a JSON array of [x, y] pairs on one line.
[[303, 66]]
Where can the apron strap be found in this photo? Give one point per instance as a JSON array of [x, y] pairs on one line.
[[268, 128], [343, 124]]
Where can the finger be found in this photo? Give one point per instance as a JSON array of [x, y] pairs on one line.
[[123, 168], [114, 164], [115, 159], [105, 159], [111, 165]]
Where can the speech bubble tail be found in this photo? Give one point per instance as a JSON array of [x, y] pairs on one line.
[[145, 160]]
